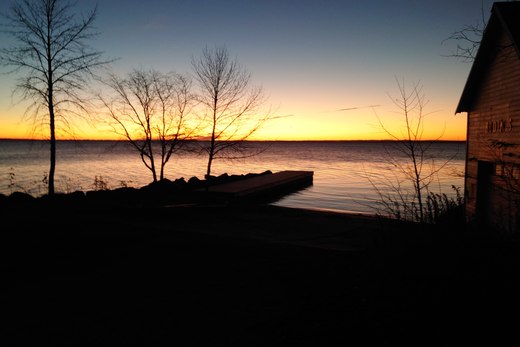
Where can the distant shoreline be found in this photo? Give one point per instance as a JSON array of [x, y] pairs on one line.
[[249, 141]]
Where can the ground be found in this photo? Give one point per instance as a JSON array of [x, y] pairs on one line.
[[249, 275]]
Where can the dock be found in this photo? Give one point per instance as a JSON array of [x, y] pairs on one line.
[[268, 186]]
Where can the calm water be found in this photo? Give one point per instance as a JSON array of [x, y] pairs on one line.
[[344, 172]]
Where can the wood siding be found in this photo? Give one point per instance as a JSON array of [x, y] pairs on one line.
[[494, 137]]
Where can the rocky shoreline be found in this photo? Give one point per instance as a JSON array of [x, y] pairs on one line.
[[127, 273], [156, 193]]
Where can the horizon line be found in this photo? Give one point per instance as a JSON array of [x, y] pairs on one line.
[[195, 140]]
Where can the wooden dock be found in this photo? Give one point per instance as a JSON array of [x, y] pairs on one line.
[[265, 186]]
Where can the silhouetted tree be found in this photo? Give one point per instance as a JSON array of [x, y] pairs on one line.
[[468, 39], [418, 168], [151, 110], [230, 105], [50, 51]]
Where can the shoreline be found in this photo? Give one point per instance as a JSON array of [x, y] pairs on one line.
[[248, 275]]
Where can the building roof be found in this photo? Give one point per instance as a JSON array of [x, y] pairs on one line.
[[505, 16]]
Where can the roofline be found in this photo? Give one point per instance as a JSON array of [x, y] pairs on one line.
[[495, 13]]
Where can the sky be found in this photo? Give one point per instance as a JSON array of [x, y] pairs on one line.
[[323, 64]]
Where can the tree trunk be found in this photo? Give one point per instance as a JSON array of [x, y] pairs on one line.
[[210, 160], [50, 95], [52, 168], [212, 144], [417, 181]]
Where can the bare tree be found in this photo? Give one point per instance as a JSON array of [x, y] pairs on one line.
[[468, 38], [50, 50], [151, 109], [411, 158], [230, 105]]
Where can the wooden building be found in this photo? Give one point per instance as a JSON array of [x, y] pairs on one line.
[[491, 98]]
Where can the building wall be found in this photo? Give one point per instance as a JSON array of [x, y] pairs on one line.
[[492, 187]]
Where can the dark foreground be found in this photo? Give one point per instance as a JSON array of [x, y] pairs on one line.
[[250, 276]]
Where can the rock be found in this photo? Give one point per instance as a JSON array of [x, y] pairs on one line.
[[76, 197], [181, 182], [20, 198], [194, 180], [223, 178], [3, 199]]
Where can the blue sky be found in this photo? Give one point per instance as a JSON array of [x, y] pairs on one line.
[[311, 57]]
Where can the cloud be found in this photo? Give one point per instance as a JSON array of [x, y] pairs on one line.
[[356, 108]]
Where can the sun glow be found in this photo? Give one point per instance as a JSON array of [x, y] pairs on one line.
[[359, 126], [298, 127]]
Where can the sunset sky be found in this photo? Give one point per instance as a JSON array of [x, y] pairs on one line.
[[314, 58]]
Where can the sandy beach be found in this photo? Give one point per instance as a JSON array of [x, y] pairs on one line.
[[249, 275]]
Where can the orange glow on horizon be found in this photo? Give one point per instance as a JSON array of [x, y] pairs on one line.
[[363, 127], [260, 136]]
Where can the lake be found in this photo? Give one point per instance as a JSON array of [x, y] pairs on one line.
[[346, 173]]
